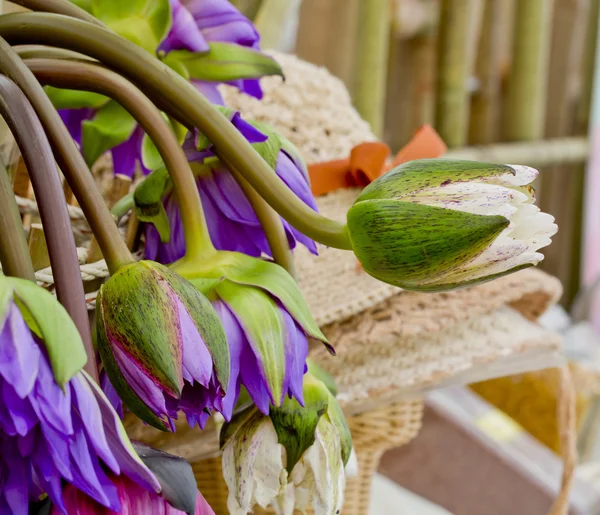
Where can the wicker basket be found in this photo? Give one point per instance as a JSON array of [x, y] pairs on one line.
[[373, 433]]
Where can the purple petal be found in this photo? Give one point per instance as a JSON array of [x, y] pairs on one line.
[[147, 390], [126, 155], [209, 90], [19, 353], [89, 418], [252, 379], [296, 348], [20, 410], [224, 189], [14, 488], [73, 120], [235, 340], [251, 133], [88, 475], [129, 462], [197, 361], [57, 446], [184, 33], [111, 393]]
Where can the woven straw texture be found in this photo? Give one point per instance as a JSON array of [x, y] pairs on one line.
[[372, 434]]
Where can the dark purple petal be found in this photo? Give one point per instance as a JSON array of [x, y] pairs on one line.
[[74, 118], [253, 380], [111, 393], [251, 133], [22, 414], [233, 203], [14, 488], [128, 154], [185, 33], [57, 445], [296, 350], [173, 250], [19, 354]]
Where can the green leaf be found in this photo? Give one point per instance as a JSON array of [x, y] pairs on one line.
[[111, 126], [223, 63], [252, 271], [205, 318], [151, 158], [264, 326], [415, 176], [126, 393], [406, 244], [143, 22], [86, 5], [295, 425], [73, 99], [61, 337]]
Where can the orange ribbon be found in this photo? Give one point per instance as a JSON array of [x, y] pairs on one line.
[[368, 161]]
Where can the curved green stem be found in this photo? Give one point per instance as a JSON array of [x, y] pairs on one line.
[[14, 254], [37, 154], [63, 7], [176, 96], [68, 156], [87, 76]]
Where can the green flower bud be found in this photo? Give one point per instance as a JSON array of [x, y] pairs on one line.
[[436, 224]]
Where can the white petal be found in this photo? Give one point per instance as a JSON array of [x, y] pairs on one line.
[[471, 197], [523, 176]]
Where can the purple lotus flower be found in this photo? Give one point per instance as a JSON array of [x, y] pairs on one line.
[[134, 501], [267, 323], [162, 345], [232, 223], [198, 22], [49, 435], [195, 24]]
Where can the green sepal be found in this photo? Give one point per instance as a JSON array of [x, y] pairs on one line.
[[269, 149], [296, 425], [271, 277], [337, 418], [48, 319], [126, 393], [143, 22], [205, 286], [403, 244], [73, 99], [205, 318], [325, 377], [6, 294], [123, 206], [111, 126], [263, 324], [412, 177], [224, 62], [151, 157], [148, 197], [139, 316]]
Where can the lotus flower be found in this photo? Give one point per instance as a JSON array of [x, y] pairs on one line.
[[134, 501], [436, 224], [195, 24], [198, 22], [232, 222], [55, 423], [162, 345], [291, 459], [267, 323]]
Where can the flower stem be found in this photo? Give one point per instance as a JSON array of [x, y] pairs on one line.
[[59, 7], [178, 98], [37, 154], [68, 156], [14, 254], [62, 73]]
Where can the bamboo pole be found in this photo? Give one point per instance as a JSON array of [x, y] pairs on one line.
[[453, 67], [271, 21], [526, 102], [371, 61], [485, 102], [38, 249]]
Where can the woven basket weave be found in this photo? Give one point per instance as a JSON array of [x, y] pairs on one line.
[[372, 433]]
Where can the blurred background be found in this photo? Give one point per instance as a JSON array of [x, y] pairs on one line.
[[514, 77]]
